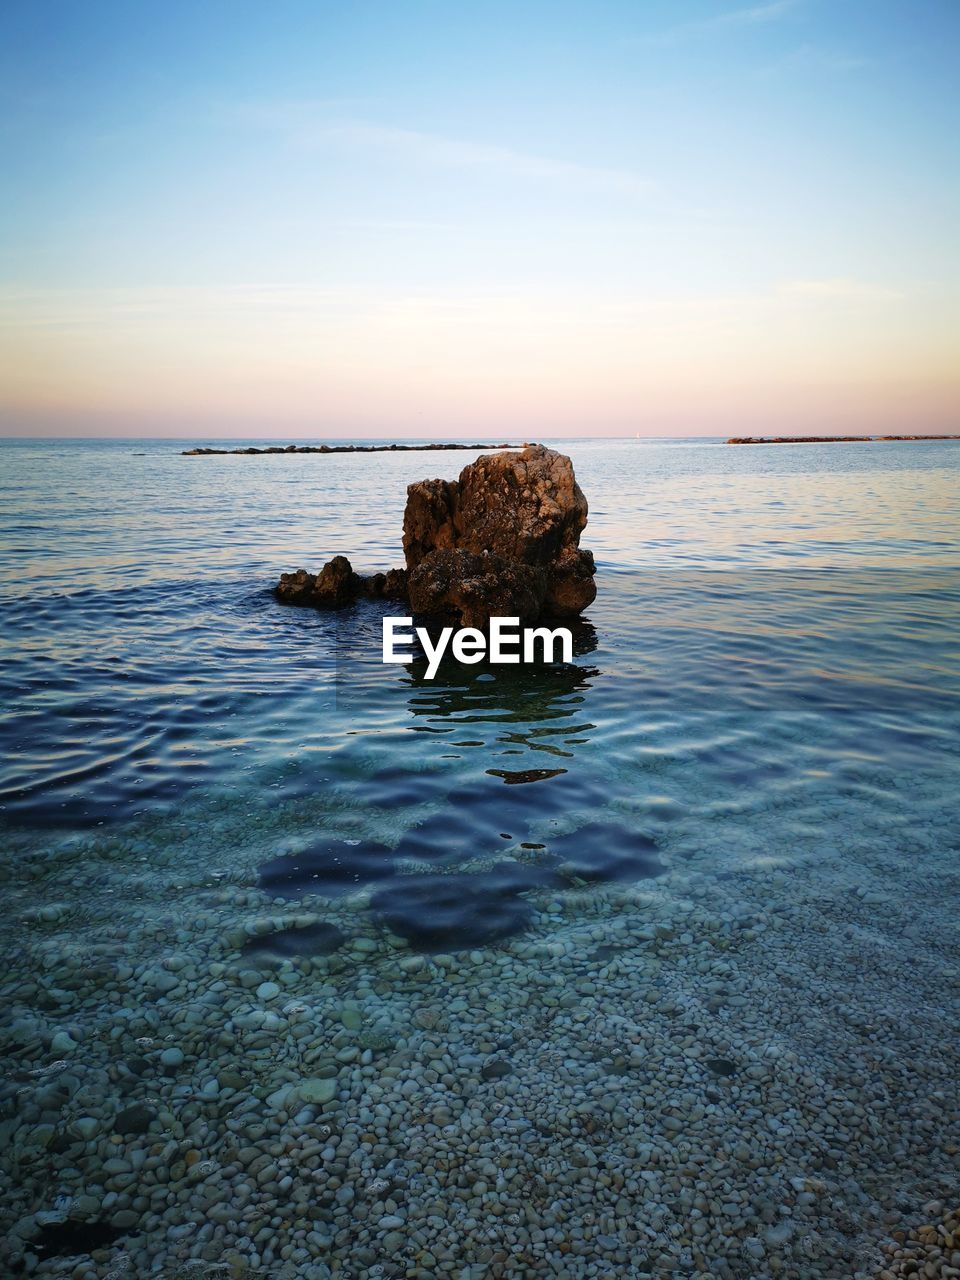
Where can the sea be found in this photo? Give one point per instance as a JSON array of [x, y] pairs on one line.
[[659, 948]]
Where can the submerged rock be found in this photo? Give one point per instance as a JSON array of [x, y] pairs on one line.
[[65, 1238], [134, 1119], [503, 540], [601, 851]]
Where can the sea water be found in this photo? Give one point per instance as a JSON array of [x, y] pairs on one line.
[[657, 948]]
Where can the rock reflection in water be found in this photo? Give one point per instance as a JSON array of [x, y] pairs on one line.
[[533, 707], [449, 882]]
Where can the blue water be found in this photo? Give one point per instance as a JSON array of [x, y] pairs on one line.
[[762, 713], [147, 666]]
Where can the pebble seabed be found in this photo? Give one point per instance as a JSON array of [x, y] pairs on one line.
[[739, 1075]]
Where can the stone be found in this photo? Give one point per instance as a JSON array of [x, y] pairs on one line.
[[134, 1119], [429, 520], [496, 1069], [721, 1066], [318, 1092], [524, 506], [334, 586], [277, 1100], [471, 588], [502, 540], [391, 585], [570, 584]]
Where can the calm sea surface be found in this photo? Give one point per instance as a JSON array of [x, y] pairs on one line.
[[761, 717], [147, 667]]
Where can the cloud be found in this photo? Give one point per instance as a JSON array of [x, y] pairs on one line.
[[810, 57], [308, 126], [92, 308], [838, 289], [752, 16]]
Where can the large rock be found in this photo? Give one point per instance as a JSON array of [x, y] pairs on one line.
[[503, 540], [429, 521], [522, 514], [524, 506]]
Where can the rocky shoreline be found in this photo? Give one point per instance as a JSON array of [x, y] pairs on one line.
[[829, 439], [204, 451]]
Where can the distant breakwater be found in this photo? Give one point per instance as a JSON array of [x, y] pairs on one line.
[[343, 448], [828, 439]]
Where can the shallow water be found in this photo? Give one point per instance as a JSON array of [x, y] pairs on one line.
[[754, 753]]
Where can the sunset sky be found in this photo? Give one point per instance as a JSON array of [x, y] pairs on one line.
[[504, 219]]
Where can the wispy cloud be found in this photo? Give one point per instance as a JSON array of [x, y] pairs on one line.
[[730, 19], [308, 126], [839, 289], [56, 308], [811, 57]]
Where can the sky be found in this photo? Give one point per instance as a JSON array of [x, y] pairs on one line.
[[395, 218]]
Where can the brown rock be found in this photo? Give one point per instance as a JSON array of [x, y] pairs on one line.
[[395, 584], [391, 585], [502, 540], [335, 585], [473, 588], [428, 521], [521, 509], [524, 506], [295, 588], [570, 584]]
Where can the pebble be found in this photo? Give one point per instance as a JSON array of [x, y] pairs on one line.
[[87, 1127], [317, 1092]]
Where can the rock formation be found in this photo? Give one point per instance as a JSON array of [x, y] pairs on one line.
[[524, 506], [471, 588], [502, 540], [337, 585], [250, 450]]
